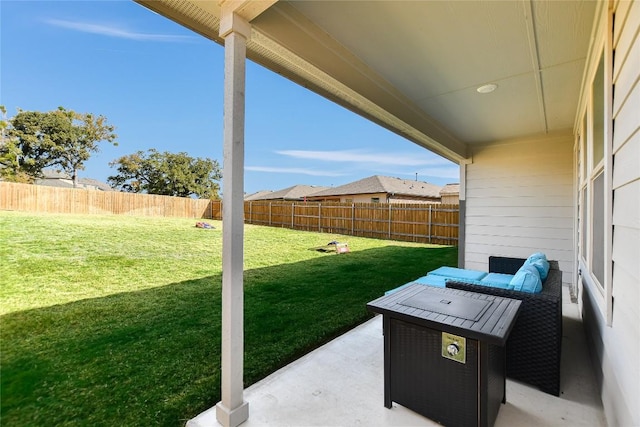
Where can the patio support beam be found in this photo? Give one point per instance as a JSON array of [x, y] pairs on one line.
[[462, 211], [232, 410]]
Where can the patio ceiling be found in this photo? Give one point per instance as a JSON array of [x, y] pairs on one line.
[[415, 66]]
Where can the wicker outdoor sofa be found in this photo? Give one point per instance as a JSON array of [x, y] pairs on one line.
[[535, 343]]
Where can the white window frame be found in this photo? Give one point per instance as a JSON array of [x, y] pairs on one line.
[[601, 293]]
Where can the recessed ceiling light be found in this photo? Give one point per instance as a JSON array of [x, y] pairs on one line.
[[487, 88]]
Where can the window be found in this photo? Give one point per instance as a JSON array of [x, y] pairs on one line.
[[375, 200], [583, 150], [585, 220], [598, 114], [597, 249], [594, 188], [594, 168]]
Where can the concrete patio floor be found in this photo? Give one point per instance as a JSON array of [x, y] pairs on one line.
[[341, 384]]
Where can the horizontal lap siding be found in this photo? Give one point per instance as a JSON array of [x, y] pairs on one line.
[[622, 386], [516, 222], [627, 162], [519, 201]]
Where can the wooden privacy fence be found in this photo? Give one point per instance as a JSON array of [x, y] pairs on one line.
[[39, 198], [423, 223]]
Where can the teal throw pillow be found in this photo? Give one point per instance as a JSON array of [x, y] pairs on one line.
[[527, 279], [537, 255], [539, 261]]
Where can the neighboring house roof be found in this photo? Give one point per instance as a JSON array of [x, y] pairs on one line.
[[297, 192], [54, 183], [90, 182], [54, 174], [450, 189], [384, 184], [258, 195], [54, 178]]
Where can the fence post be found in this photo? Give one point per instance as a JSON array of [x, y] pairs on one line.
[[353, 219], [430, 223], [389, 221], [320, 217], [269, 213], [293, 210]]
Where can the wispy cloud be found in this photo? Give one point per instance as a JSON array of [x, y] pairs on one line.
[[301, 171], [360, 156], [117, 32]]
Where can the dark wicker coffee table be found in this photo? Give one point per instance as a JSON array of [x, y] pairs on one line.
[[444, 352]]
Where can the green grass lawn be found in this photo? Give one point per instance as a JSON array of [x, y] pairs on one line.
[[115, 320]]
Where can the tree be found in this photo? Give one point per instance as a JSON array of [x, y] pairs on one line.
[[3, 122], [60, 138], [26, 150], [168, 174], [9, 154]]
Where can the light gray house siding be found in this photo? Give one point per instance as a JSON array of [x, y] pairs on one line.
[[616, 347], [519, 200]]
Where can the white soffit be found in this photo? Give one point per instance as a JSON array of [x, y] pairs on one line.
[[414, 66], [438, 52], [426, 49]]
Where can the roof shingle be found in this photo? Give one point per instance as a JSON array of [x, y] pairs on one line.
[[384, 184], [297, 192]]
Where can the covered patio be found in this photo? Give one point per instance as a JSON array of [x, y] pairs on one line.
[[523, 96], [341, 384]]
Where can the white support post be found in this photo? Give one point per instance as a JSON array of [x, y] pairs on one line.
[[462, 211], [232, 410]]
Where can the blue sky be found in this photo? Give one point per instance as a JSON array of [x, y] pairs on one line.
[[161, 85]]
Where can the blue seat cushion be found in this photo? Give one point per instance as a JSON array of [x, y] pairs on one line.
[[527, 279], [498, 278], [437, 281], [432, 280], [458, 273], [539, 261]]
